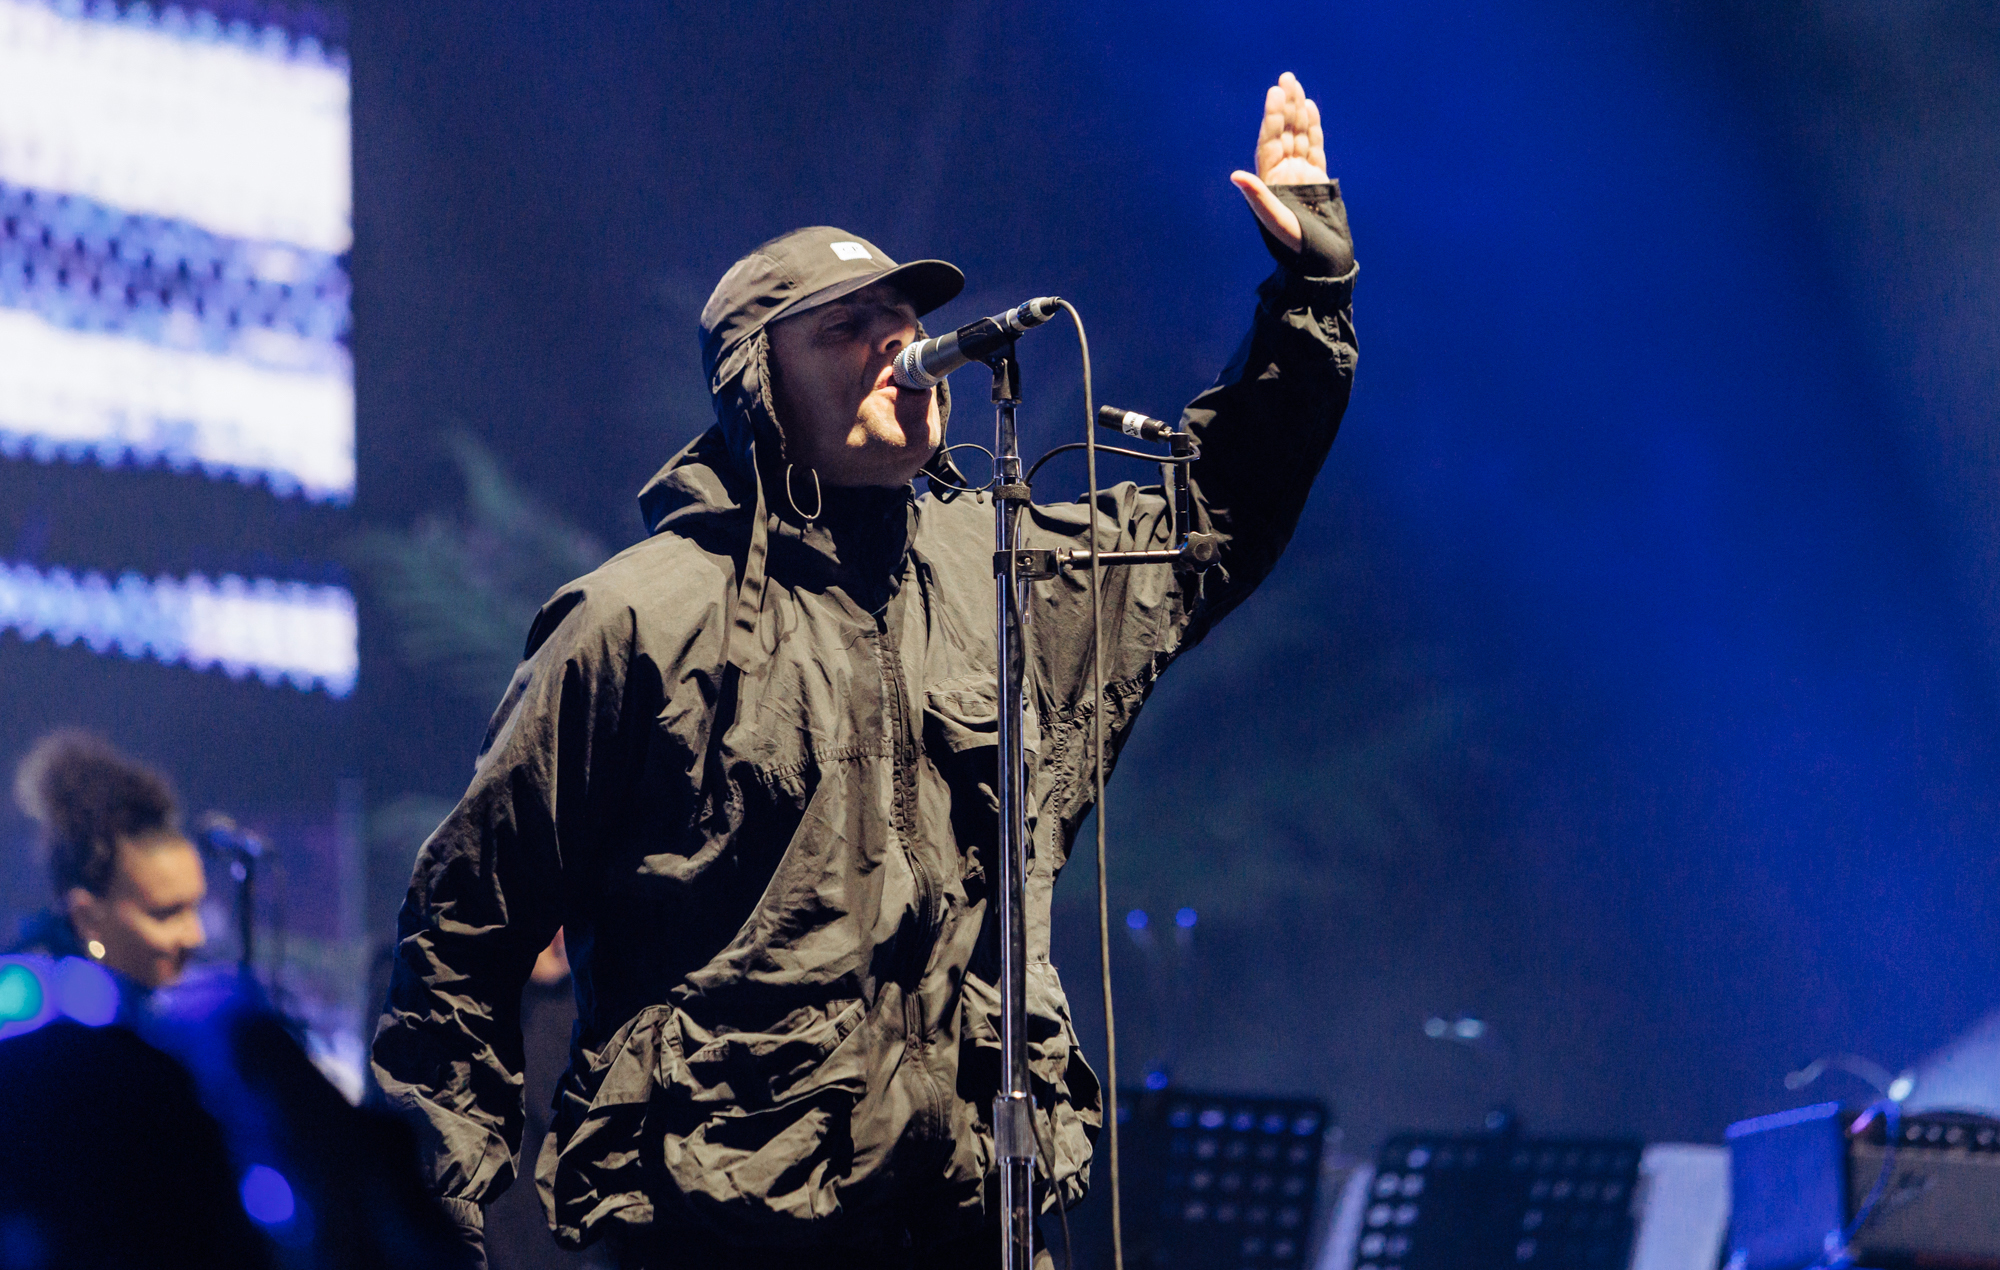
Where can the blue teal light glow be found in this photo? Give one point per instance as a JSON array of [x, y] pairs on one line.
[[267, 1196], [20, 994], [29, 997]]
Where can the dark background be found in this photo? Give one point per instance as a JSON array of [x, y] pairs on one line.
[[1629, 684]]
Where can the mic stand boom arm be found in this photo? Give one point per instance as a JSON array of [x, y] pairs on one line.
[[1192, 550], [1014, 568]]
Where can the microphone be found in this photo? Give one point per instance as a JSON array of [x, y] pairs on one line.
[[222, 836], [1134, 424], [925, 363]]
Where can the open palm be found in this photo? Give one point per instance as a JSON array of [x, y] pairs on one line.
[[1291, 150]]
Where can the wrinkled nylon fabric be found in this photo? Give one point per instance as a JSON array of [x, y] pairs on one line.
[[749, 764]]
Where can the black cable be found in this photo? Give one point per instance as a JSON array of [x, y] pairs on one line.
[[1055, 1187], [1062, 1212], [1066, 447], [1090, 448], [1892, 1121], [945, 454]]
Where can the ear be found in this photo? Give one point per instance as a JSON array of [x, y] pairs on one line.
[[85, 911]]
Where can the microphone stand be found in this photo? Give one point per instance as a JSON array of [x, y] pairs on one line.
[[1014, 568], [242, 849], [1013, 1107]]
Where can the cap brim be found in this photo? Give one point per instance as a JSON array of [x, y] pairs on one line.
[[928, 284]]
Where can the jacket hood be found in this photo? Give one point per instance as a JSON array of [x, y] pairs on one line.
[[734, 478], [739, 465], [740, 462]]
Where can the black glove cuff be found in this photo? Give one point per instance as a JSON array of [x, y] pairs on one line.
[[1327, 253]]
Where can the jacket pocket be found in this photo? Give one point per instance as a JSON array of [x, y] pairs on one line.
[[962, 740], [751, 1129], [755, 1129], [961, 715]]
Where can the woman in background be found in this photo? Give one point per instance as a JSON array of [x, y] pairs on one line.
[[128, 883]]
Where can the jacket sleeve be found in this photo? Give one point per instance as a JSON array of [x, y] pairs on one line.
[[487, 896], [1264, 428], [1267, 422]]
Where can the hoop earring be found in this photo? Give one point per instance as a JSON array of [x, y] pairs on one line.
[[819, 496]]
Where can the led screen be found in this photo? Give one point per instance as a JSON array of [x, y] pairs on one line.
[[175, 214]]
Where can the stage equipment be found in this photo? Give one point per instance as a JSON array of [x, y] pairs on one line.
[[1221, 1181], [198, 1134], [1015, 568], [1823, 1186], [1134, 424], [1488, 1202], [925, 363], [1480, 1201]]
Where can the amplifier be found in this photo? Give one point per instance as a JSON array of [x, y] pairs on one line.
[[1800, 1178]]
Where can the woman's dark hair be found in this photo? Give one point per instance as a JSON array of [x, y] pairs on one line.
[[87, 797]]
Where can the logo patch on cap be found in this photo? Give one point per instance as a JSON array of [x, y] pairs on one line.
[[851, 251]]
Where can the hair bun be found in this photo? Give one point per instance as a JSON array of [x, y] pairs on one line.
[[87, 797]]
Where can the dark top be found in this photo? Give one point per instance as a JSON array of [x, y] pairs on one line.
[[749, 765]]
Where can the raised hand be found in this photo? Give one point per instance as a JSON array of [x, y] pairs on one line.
[[1291, 150]]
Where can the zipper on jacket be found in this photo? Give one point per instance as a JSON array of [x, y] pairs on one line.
[[904, 817]]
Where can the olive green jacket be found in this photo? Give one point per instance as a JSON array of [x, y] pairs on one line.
[[749, 765]]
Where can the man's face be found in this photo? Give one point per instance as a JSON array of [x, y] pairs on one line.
[[842, 414], [149, 918]]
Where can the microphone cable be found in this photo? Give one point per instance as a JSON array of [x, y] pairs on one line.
[[1091, 449], [1097, 788]]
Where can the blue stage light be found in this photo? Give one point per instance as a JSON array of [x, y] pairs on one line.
[[28, 997], [1136, 919], [267, 1196], [174, 212], [1185, 919], [85, 991]]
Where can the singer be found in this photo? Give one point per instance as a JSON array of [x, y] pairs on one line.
[[748, 765], [128, 884]]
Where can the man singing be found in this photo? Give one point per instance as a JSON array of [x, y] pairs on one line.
[[749, 767]]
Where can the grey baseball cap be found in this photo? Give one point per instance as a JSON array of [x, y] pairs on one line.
[[799, 271]]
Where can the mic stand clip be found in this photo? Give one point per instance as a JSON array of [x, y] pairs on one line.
[[1036, 565]]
